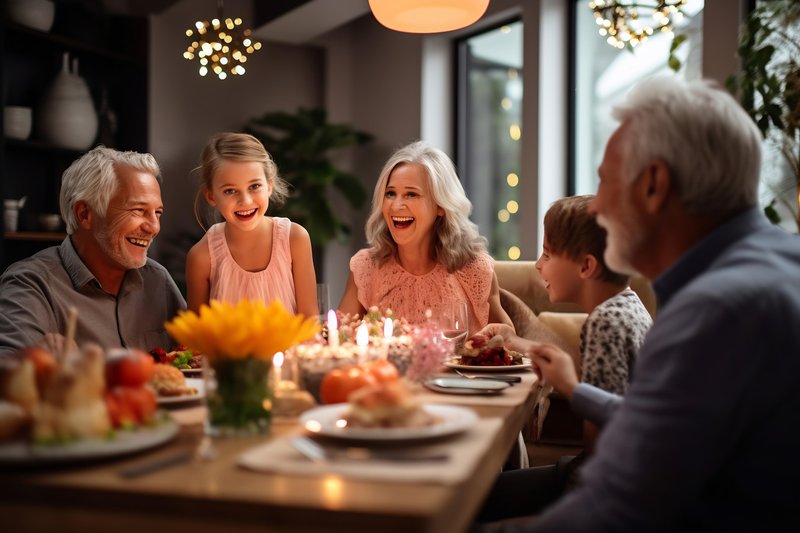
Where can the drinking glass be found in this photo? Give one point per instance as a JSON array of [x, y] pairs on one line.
[[323, 300], [454, 322]]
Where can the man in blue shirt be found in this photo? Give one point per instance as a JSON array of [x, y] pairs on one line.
[[707, 436]]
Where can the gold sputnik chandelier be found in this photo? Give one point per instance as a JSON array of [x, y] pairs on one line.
[[220, 45], [631, 23]]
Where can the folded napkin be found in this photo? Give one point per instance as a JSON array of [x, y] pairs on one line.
[[465, 450]]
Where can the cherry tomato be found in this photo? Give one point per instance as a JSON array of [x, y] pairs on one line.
[[337, 384], [132, 369]]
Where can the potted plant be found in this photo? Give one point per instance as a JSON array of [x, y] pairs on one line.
[[768, 86], [301, 144]]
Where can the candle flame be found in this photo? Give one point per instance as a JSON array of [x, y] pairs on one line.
[[277, 360]]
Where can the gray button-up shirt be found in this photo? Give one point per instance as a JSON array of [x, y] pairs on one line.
[[36, 294]]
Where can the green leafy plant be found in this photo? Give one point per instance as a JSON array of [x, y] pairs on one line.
[[768, 84], [301, 144]]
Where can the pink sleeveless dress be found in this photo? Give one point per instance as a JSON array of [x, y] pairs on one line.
[[409, 296], [231, 283]]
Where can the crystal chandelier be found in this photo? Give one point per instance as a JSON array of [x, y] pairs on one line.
[[220, 45], [631, 23]]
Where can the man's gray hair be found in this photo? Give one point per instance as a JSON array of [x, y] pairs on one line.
[[710, 144], [92, 178]]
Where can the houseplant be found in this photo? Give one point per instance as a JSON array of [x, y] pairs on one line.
[[768, 86], [301, 144]]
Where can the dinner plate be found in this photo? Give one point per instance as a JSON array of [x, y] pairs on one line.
[[191, 371], [457, 385], [194, 383], [453, 363], [123, 442], [326, 421]]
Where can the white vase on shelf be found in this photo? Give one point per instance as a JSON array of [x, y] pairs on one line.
[[66, 116]]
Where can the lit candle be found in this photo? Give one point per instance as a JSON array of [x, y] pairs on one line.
[[277, 367], [388, 329], [333, 329], [362, 339]]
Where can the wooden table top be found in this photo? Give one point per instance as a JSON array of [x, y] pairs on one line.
[[214, 495]]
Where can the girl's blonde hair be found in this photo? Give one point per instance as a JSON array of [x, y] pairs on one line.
[[238, 147], [456, 240]]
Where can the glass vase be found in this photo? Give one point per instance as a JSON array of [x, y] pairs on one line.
[[240, 401]]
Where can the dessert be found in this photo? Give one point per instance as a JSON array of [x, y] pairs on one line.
[[480, 350], [386, 405]]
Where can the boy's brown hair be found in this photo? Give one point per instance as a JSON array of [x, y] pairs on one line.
[[573, 232]]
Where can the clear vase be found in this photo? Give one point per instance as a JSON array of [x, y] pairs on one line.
[[240, 401]]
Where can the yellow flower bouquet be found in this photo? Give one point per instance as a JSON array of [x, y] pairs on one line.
[[238, 342]]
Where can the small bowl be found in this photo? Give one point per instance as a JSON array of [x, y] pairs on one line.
[[50, 221], [17, 122]]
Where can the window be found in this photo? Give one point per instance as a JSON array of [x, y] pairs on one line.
[[603, 74], [489, 132]]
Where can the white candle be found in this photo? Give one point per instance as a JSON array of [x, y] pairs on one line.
[[362, 339], [277, 367], [388, 329], [333, 329]]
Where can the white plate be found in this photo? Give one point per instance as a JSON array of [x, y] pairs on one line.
[[453, 363], [194, 383], [456, 385], [323, 421], [123, 442], [191, 371]]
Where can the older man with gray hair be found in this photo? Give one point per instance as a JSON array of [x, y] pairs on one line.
[[111, 203], [707, 435]]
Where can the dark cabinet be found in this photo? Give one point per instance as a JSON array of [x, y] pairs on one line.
[[112, 57]]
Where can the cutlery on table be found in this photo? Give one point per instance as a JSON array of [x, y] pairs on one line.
[[318, 453], [494, 377]]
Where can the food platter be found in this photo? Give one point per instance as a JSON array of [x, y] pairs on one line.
[[454, 362], [464, 386], [193, 383], [122, 443], [325, 421]]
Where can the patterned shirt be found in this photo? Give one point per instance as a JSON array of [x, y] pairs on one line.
[[610, 341]]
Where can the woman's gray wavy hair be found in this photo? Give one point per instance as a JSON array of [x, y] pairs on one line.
[[92, 178], [456, 240], [710, 144]]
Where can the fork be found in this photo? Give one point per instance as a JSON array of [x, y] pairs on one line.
[[507, 379]]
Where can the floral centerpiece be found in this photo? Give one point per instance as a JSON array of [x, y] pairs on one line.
[[239, 342]]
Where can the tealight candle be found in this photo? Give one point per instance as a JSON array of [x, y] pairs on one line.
[[333, 329]]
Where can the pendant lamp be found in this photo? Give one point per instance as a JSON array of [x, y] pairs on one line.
[[427, 16]]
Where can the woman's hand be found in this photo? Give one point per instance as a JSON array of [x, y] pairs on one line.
[[556, 366]]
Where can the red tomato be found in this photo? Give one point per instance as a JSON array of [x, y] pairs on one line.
[[337, 384], [133, 369], [119, 411], [382, 370]]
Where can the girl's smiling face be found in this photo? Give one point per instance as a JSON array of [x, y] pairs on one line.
[[240, 191], [408, 206]]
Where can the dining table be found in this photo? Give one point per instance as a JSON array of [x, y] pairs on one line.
[[260, 483]]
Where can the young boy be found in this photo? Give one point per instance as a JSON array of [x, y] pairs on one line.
[[573, 269]]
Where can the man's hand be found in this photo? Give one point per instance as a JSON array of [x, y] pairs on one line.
[[555, 366]]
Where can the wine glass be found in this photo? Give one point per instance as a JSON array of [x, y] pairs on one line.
[[454, 322]]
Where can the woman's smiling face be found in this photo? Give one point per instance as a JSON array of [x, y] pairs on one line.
[[408, 206]]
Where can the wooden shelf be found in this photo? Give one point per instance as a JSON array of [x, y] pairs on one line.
[[34, 236]]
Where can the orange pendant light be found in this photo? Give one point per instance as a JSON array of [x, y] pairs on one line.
[[427, 16]]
